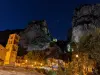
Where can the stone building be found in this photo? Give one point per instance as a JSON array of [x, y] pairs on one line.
[[12, 48], [2, 53]]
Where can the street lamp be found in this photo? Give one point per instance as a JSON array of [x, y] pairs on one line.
[[32, 65], [77, 62], [41, 64], [77, 56], [26, 61], [35, 63]]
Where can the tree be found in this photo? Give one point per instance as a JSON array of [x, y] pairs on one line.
[[21, 51], [90, 44], [35, 55]]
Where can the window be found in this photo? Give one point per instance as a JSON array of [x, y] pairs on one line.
[[11, 37], [15, 42], [14, 49], [10, 42]]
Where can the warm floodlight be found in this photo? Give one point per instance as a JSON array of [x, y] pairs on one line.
[[77, 56]]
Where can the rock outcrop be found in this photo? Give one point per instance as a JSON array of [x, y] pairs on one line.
[[36, 36], [86, 18]]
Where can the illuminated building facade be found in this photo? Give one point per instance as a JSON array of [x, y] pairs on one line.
[[12, 48], [2, 53]]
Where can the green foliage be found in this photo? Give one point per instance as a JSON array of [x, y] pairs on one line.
[[91, 44], [52, 44], [61, 71], [21, 51], [35, 55], [73, 44], [30, 55], [51, 73]]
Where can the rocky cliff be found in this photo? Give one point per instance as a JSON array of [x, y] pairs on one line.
[[86, 18], [36, 36]]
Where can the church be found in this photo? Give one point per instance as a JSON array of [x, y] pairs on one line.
[[8, 54]]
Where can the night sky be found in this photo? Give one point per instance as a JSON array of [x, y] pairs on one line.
[[15, 14]]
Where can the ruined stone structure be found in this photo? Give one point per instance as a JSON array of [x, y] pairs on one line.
[[12, 48]]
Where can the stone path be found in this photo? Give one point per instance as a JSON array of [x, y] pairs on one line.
[[17, 71], [5, 72]]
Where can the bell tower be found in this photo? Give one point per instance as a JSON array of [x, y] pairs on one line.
[[12, 48]]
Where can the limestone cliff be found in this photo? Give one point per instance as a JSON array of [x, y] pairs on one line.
[[36, 36], [86, 18]]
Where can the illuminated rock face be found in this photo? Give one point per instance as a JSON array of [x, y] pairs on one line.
[[36, 36], [86, 18]]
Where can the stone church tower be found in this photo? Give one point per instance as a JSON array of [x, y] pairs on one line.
[[12, 48]]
